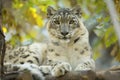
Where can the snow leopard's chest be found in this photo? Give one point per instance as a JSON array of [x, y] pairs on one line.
[[74, 54]]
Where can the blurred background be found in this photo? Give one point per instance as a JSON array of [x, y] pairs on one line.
[[23, 22]]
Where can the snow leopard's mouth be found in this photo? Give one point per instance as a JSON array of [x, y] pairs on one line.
[[65, 38], [61, 37]]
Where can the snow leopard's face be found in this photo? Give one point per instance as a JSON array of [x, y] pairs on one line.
[[64, 24]]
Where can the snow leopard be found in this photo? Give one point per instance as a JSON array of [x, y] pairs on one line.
[[67, 49]]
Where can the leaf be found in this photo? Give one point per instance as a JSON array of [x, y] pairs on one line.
[[43, 8], [39, 21], [110, 37], [4, 29], [99, 31]]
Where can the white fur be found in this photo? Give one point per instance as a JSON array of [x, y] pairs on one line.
[[34, 69]]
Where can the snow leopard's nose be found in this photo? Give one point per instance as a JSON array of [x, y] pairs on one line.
[[64, 33]]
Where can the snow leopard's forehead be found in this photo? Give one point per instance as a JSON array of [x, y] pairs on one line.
[[64, 11], [64, 14]]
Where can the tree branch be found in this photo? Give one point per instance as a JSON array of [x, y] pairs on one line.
[[75, 75], [114, 17], [110, 74]]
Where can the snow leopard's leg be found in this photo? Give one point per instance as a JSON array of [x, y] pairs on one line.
[[45, 69], [88, 64], [57, 69]]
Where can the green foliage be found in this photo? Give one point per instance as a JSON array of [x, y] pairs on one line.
[[22, 17], [110, 37], [24, 21]]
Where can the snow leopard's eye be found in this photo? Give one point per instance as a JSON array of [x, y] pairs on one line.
[[72, 21], [55, 21]]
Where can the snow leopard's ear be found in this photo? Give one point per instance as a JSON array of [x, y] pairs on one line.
[[50, 11], [77, 11]]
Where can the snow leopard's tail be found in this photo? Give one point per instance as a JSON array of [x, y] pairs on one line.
[[32, 68]]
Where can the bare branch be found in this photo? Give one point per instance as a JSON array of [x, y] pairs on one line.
[[114, 17]]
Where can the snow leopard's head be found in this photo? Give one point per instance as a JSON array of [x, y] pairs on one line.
[[64, 24]]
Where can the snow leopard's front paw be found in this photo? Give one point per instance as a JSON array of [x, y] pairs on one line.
[[61, 69], [45, 69], [88, 65]]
